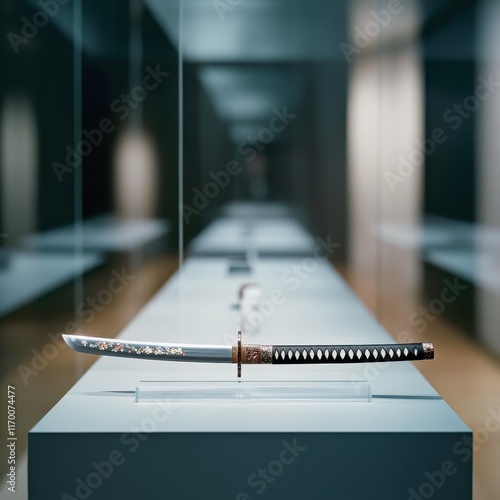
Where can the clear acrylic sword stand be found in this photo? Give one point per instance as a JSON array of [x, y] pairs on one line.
[[254, 391]]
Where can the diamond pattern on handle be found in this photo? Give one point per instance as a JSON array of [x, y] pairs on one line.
[[346, 354]]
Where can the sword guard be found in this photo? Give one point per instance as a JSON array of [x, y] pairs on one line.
[[239, 354]]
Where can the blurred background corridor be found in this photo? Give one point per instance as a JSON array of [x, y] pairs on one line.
[[132, 130]]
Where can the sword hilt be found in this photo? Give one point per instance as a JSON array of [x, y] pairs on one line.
[[376, 353], [255, 354]]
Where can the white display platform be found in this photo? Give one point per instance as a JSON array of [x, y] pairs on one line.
[[255, 210], [273, 236], [103, 444], [107, 233], [29, 275]]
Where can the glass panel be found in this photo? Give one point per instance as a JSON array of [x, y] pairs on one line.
[[40, 283], [88, 182]]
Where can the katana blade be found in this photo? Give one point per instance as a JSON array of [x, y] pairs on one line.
[[200, 353], [253, 354]]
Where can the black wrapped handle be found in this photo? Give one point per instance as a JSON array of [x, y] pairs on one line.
[[371, 353]]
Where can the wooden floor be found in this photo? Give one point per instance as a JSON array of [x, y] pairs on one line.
[[465, 375]]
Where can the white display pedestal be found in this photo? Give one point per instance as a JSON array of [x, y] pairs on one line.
[[97, 441]]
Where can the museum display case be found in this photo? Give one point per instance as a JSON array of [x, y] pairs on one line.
[[274, 152]]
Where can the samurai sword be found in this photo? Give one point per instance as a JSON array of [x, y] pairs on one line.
[[252, 354]]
